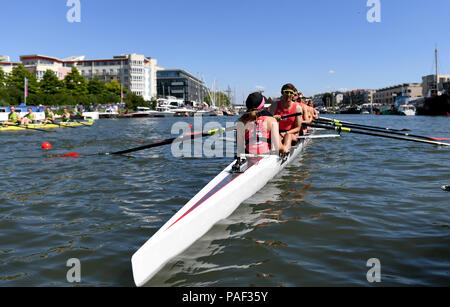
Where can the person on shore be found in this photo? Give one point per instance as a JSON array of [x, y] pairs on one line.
[[289, 127], [49, 116], [65, 116], [258, 133], [29, 118], [13, 117]]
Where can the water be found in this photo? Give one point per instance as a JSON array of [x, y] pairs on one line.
[[342, 203]]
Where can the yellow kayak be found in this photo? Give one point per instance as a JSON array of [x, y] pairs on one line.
[[46, 126]]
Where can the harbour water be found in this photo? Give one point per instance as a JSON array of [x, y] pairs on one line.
[[345, 201]]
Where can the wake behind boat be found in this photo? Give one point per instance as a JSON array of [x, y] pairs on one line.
[[216, 201]]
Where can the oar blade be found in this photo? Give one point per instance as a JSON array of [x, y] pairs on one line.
[[70, 155]]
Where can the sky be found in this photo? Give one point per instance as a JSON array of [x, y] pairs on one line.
[[319, 46]]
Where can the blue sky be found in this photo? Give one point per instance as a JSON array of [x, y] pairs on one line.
[[317, 45]]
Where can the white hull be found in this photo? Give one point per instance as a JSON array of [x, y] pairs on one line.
[[215, 202], [163, 114]]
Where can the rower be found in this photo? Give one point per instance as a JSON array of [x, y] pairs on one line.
[[65, 116], [289, 127], [314, 113], [257, 131], [29, 118], [49, 116], [306, 118], [13, 117]]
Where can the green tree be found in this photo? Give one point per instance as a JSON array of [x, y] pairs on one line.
[[50, 84], [133, 101], [221, 99], [2, 78], [75, 83], [96, 87], [114, 87], [17, 79]]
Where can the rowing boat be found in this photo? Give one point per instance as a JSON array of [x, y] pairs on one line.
[[216, 201], [46, 126]]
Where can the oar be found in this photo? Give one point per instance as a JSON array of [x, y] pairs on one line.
[[346, 129], [26, 127], [338, 124], [163, 142], [62, 125], [159, 143], [181, 139], [82, 123], [324, 119]]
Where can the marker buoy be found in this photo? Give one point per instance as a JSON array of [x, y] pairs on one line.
[[46, 145]]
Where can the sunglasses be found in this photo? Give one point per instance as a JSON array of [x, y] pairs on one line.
[[289, 92]]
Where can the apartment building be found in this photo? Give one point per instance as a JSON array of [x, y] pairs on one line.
[[359, 96], [135, 72], [387, 95], [39, 64]]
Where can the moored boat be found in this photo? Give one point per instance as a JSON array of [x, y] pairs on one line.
[[216, 201]]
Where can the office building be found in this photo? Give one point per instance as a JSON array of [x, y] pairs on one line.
[[182, 85]]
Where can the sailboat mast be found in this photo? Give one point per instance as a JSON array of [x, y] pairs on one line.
[[437, 76]]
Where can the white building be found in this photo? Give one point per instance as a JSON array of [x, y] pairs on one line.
[[39, 64], [135, 72]]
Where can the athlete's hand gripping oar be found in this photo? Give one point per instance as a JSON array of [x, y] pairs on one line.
[[328, 120], [338, 124], [345, 129]]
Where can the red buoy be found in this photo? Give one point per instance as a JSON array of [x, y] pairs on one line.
[[46, 145]]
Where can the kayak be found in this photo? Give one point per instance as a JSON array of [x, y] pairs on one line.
[[46, 126]]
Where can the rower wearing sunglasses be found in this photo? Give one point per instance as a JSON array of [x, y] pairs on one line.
[[289, 127]]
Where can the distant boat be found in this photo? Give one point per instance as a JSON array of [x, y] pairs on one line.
[[407, 110], [437, 104], [352, 110]]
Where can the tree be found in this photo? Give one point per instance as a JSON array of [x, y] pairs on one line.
[[220, 98], [133, 101], [2, 78], [96, 87], [17, 79], [50, 84], [114, 87], [75, 83]]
